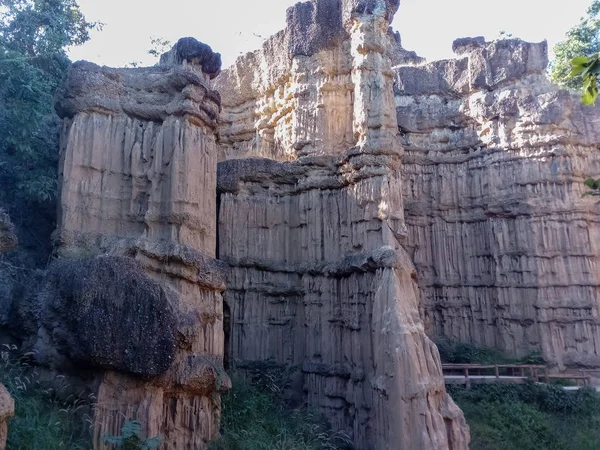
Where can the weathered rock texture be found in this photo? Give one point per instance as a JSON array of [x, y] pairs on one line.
[[319, 280], [138, 183], [7, 410], [505, 246], [7, 406], [294, 96]]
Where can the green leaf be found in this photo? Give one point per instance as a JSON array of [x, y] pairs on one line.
[[153, 443], [577, 70], [579, 61], [592, 184], [113, 440], [588, 98], [131, 428]]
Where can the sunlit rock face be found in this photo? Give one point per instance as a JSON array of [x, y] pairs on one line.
[[504, 243], [137, 296], [294, 96], [311, 222]]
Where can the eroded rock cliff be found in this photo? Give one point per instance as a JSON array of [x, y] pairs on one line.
[[136, 297], [7, 410], [505, 246], [8, 240], [294, 96], [339, 175], [320, 281]]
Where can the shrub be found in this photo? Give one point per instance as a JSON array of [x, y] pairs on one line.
[[255, 419], [41, 420], [467, 353], [530, 416], [131, 438]]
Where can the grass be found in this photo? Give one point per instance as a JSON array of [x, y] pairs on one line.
[[530, 417], [254, 418], [41, 421], [257, 419], [523, 416]]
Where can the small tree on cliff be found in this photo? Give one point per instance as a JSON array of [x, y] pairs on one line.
[[33, 37]]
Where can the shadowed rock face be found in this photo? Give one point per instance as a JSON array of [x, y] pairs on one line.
[[190, 50], [314, 26], [7, 410], [8, 240], [107, 313]]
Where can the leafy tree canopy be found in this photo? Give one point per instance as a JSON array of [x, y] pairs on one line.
[[581, 40], [42, 27], [34, 35]]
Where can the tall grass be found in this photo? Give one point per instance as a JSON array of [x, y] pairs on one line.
[[257, 419], [41, 421]]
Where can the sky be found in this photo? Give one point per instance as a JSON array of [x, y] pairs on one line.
[[234, 27]]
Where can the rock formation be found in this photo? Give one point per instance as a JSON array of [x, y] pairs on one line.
[[136, 298], [7, 406], [320, 281], [505, 246], [345, 163], [7, 409], [294, 96]]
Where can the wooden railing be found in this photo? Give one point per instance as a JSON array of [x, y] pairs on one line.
[[505, 373]]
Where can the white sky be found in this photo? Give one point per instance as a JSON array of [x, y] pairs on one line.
[[232, 27]]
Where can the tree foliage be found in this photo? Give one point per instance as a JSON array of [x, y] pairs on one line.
[[581, 40], [34, 35], [588, 69], [132, 439]]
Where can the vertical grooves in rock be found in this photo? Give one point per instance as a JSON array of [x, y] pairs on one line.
[[139, 180], [319, 281], [504, 242]]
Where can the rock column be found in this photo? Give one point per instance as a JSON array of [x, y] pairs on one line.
[[138, 181], [320, 281]]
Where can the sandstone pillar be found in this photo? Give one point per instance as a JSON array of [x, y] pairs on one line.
[[7, 410], [138, 180]]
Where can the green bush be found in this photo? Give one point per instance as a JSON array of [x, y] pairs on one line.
[[467, 353], [530, 416], [255, 419], [41, 420], [132, 439]]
